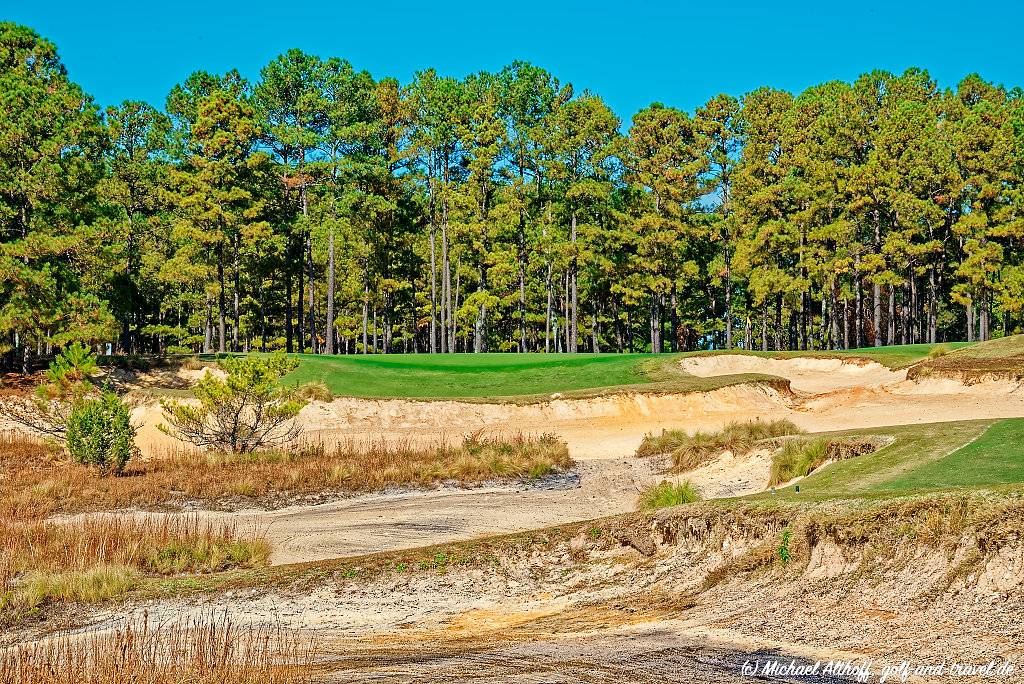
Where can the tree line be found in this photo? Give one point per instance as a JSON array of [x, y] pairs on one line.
[[319, 209]]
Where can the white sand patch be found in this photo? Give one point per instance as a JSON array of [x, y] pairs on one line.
[[805, 375]]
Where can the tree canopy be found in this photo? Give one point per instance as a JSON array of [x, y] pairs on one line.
[[320, 209]]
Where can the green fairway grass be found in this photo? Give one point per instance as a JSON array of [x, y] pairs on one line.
[[896, 356], [467, 375], [501, 376], [933, 456], [996, 457], [534, 376]]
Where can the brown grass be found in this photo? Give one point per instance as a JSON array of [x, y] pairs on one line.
[[95, 558], [35, 478], [688, 452], [205, 651]]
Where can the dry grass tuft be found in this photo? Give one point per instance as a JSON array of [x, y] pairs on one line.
[[204, 651], [688, 452], [315, 391], [666, 494], [98, 557], [35, 479], [801, 457]]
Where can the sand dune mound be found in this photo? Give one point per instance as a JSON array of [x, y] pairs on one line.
[[804, 374]]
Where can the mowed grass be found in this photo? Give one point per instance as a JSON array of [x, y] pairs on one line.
[[895, 356], [500, 376], [996, 457], [429, 376], [538, 376], [934, 456], [1000, 358]]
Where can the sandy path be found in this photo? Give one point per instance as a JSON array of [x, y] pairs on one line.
[[385, 522]]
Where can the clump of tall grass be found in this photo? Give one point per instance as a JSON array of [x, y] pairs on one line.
[[801, 457], [98, 557], [667, 494], [688, 452], [798, 459], [208, 650], [315, 391], [939, 350], [34, 478]]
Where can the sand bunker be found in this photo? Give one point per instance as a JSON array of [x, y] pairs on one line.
[[805, 375], [829, 394]]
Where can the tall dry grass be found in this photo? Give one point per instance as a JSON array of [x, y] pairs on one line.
[[688, 452], [210, 650], [98, 557], [36, 479]]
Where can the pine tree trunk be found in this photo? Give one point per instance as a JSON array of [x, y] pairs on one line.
[[288, 332], [433, 278], [674, 342], [300, 293], [208, 335], [891, 327], [221, 305], [237, 288], [366, 313], [522, 282], [573, 325], [970, 320], [329, 324], [313, 343], [728, 296], [547, 316], [565, 310]]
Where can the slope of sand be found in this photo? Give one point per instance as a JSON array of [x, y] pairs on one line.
[[602, 434], [805, 375], [828, 394]]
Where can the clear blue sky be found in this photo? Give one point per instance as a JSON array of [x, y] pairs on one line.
[[631, 53]]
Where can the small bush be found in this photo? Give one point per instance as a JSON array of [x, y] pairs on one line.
[[246, 411], [938, 350], [100, 433], [668, 494]]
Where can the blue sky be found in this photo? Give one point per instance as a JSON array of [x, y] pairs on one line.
[[631, 53]]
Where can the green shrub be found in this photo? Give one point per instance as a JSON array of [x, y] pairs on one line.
[[247, 411], [100, 433], [668, 494]]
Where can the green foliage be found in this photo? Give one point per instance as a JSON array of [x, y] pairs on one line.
[[667, 494], [100, 433], [785, 555], [247, 410], [319, 208]]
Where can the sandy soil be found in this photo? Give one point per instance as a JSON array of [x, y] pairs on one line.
[[596, 610], [386, 522], [602, 434], [828, 394]]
